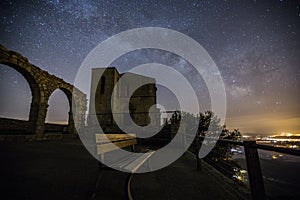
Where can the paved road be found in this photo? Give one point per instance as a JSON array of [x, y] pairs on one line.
[[63, 169], [46, 170]]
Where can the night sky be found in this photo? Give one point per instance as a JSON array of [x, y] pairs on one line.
[[255, 44]]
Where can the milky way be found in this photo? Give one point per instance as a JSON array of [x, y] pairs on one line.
[[255, 45]]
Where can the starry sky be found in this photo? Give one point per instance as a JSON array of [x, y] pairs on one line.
[[255, 44]]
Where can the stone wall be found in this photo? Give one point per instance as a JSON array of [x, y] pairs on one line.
[[56, 128], [20, 127], [13, 126]]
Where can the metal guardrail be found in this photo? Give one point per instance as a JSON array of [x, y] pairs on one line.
[[252, 161]]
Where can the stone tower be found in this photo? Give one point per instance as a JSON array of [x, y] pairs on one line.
[[106, 100]]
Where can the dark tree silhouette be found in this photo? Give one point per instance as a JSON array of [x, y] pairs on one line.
[[220, 157], [204, 122]]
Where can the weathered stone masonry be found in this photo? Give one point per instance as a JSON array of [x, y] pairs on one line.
[[42, 85]]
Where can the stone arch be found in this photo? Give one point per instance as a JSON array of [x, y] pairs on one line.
[[42, 85], [30, 83], [34, 87], [68, 94]]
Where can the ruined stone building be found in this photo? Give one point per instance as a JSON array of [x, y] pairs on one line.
[[42, 85], [107, 101]]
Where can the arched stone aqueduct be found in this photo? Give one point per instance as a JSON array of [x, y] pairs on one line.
[[42, 85]]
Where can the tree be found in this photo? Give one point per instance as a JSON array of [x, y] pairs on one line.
[[204, 122], [236, 134], [225, 132]]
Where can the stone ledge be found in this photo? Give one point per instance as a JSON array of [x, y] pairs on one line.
[[31, 138]]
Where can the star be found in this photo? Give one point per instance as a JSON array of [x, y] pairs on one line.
[[247, 40]]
